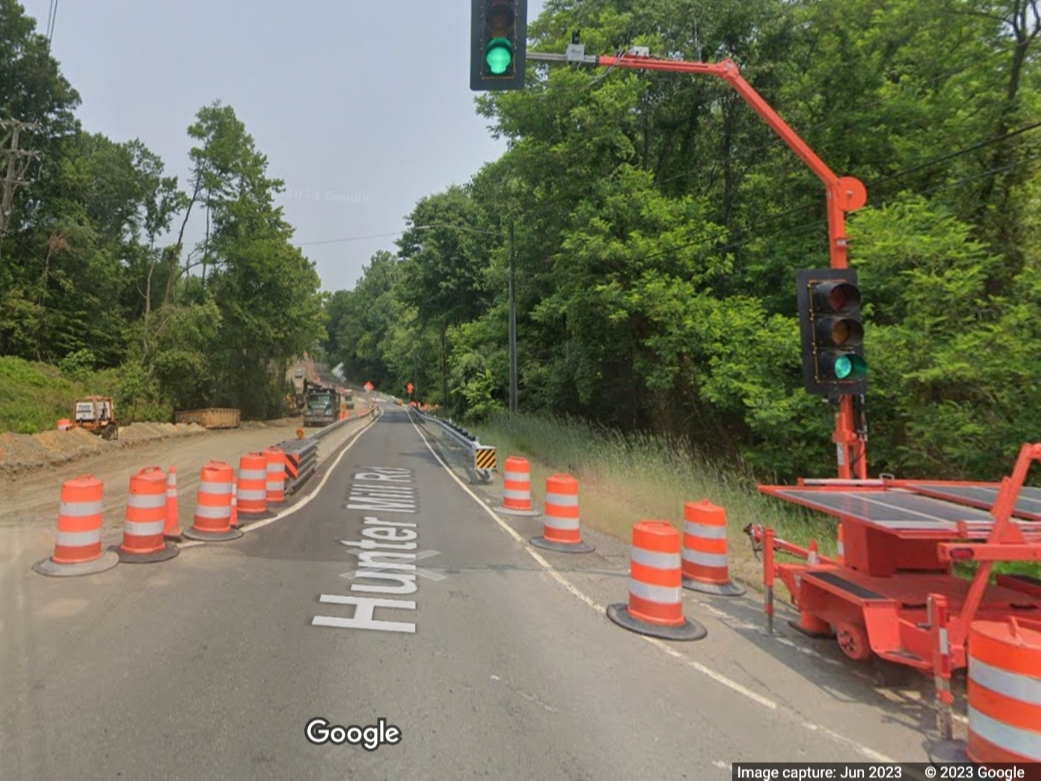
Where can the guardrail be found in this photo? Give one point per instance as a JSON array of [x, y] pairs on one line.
[[459, 444], [302, 454]]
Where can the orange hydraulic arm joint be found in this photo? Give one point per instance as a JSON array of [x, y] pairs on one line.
[[845, 194]]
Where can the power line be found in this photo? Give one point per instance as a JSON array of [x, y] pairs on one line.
[[350, 238]]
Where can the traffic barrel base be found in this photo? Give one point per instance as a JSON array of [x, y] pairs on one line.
[[561, 531], [144, 532], [655, 594], [948, 752], [705, 550], [203, 536], [688, 630], [51, 568], [562, 547], [77, 546]]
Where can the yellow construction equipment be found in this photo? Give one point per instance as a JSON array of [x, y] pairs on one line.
[[97, 414]]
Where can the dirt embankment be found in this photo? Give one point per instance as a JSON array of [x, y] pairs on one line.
[[20, 453]]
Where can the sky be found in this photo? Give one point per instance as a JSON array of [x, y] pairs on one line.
[[362, 108]]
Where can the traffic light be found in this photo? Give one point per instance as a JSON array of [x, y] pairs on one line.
[[498, 40], [832, 328]]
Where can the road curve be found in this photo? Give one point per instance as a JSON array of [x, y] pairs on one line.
[[210, 665]]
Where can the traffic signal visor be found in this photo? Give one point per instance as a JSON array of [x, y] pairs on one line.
[[499, 33]]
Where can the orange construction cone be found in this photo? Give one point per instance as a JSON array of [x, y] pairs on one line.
[[77, 546], [235, 506], [143, 541], [516, 491], [172, 532], [841, 548], [655, 592], [705, 550], [561, 530]]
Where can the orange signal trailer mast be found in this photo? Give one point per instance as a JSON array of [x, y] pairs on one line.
[[844, 194]]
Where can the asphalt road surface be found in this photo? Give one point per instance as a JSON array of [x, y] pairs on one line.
[[479, 663]]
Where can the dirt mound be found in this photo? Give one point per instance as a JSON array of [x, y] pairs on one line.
[[68, 443], [20, 449]]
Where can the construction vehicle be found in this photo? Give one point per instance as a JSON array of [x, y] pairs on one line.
[[97, 414], [321, 404]]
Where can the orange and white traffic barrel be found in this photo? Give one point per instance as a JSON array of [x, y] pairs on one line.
[[516, 489], [213, 505], [77, 545], [655, 586], [252, 487], [276, 475], [705, 550], [1004, 691], [145, 527], [560, 529]]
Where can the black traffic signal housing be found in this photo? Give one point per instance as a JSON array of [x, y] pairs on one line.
[[498, 43], [832, 327]]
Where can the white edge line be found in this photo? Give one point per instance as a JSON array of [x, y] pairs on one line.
[[718, 677], [303, 502]]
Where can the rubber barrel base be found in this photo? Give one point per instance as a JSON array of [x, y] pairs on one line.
[[194, 534], [52, 569], [687, 631], [716, 589], [561, 547], [532, 513], [167, 552]]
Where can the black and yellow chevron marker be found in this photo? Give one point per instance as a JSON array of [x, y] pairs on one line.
[[484, 458]]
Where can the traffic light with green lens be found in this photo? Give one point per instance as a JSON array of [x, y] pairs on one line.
[[498, 40], [832, 328]]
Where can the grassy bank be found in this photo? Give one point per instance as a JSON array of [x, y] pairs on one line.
[[35, 396], [623, 480]]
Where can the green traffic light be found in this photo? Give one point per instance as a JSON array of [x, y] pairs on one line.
[[850, 367], [499, 56]]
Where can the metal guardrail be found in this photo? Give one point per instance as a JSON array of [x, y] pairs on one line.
[[461, 446], [302, 454]]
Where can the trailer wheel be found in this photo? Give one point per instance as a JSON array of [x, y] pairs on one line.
[[111, 431], [853, 641]]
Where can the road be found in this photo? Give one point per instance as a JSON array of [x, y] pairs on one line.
[[210, 665]]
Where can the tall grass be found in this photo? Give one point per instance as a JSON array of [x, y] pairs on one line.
[[623, 479]]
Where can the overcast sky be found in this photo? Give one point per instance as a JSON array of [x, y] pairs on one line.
[[361, 107]]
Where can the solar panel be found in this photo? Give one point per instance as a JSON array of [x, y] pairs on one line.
[[1028, 504], [892, 509]]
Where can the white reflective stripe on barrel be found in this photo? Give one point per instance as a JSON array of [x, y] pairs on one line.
[[704, 559], [205, 511], [1020, 741], [146, 501], [206, 487], [665, 595], [78, 539], [516, 494], [79, 509], [278, 467], [252, 474], [568, 524], [564, 500], [518, 477], [705, 532], [135, 529], [275, 486], [250, 495], [171, 491], [1017, 687], [656, 559]]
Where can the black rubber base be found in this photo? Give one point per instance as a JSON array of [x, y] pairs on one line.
[[168, 552], [532, 513], [561, 547], [689, 630], [106, 561], [245, 519], [194, 534], [725, 590], [174, 537], [948, 751], [815, 635]]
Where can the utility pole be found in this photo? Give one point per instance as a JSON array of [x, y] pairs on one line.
[[15, 163], [513, 325]]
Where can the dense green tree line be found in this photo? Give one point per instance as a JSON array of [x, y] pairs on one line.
[[658, 223], [93, 266]]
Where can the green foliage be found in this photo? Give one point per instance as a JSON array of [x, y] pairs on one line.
[[34, 396]]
